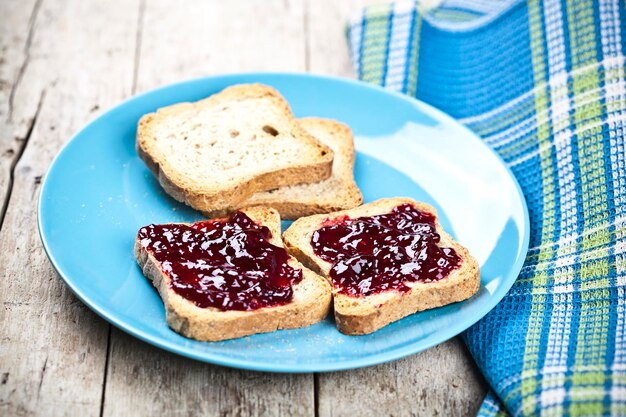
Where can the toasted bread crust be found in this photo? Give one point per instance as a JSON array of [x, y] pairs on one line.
[[311, 302], [363, 315], [215, 197]]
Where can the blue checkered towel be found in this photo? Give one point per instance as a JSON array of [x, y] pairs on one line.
[[543, 82]]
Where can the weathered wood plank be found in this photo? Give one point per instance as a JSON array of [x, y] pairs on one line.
[[439, 381], [152, 382], [327, 44], [327, 47], [15, 40], [52, 348], [181, 41], [189, 39]]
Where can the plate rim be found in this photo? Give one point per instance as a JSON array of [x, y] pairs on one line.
[[277, 367]]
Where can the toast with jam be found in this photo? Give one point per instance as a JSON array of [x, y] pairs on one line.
[[338, 192], [384, 260], [230, 277], [217, 152]]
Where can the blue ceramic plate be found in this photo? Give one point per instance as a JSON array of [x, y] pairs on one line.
[[98, 193]]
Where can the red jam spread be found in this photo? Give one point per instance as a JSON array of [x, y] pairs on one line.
[[228, 264], [383, 252]]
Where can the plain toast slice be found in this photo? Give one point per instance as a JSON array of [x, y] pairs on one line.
[[310, 303], [217, 152], [338, 192], [366, 314]]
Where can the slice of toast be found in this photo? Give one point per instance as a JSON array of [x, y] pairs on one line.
[[217, 152], [339, 192], [310, 303], [366, 314]]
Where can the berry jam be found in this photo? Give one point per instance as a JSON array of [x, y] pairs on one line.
[[228, 264], [384, 252]]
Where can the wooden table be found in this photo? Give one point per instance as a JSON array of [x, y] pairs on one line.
[[62, 63]]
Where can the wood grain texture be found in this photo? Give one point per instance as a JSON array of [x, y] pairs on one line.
[[327, 42], [152, 382], [187, 39], [216, 37], [440, 381], [15, 41], [52, 349], [327, 49]]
